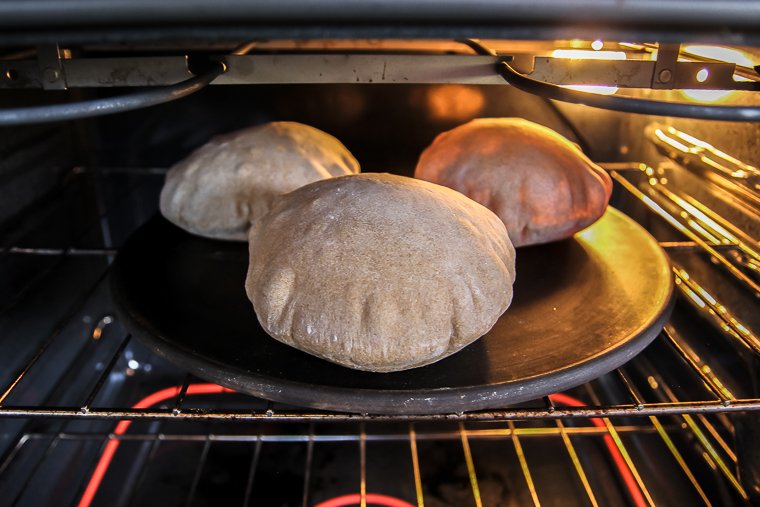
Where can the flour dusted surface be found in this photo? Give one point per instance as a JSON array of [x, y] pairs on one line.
[[379, 272]]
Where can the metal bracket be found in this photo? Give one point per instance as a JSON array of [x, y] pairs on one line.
[[52, 70], [664, 74], [635, 74], [52, 75]]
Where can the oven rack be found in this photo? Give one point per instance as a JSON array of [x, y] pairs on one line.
[[639, 389], [569, 438], [715, 398]]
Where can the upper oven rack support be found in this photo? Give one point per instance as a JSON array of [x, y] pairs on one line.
[[101, 107], [547, 77], [352, 68], [623, 104]]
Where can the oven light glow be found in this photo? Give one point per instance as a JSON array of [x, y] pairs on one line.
[[597, 45], [600, 89], [693, 296], [709, 222], [701, 146], [707, 95], [670, 141], [702, 75], [694, 225], [454, 102], [721, 54], [585, 54]]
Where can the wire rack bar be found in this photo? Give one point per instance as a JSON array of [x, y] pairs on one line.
[[180, 399], [90, 468], [576, 463], [716, 312], [472, 434], [362, 465], [667, 441], [664, 408], [54, 333], [33, 472], [155, 443], [104, 375], [470, 462], [709, 248], [416, 466], [88, 228], [630, 389], [307, 467], [660, 389], [621, 447], [679, 459], [198, 472], [689, 246], [711, 452], [710, 381], [252, 472], [524, 465]]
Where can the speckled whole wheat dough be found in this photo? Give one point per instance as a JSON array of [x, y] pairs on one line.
[[233, 179], [540, 184], [379, 272]]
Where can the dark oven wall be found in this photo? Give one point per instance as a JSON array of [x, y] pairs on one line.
[[385, 127]]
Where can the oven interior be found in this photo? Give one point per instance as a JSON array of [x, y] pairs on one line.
[[677, 425]]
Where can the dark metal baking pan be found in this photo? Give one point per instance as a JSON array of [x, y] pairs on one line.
[[581, 308]]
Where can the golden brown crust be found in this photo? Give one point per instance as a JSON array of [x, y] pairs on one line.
[[539, 183]]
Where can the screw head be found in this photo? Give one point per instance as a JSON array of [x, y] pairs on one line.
[[665, 76]]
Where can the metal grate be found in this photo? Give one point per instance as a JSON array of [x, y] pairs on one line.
[[641, 388], [716, 396]]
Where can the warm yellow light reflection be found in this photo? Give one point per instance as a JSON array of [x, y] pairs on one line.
[[706, 95], [454, 102], [721, 54], [670, 141], [585, 54], [600, 89], [706, 152]]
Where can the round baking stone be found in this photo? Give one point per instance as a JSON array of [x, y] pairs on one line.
[[582, 307]]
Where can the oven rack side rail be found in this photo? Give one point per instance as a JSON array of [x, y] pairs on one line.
[[270, 415]]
